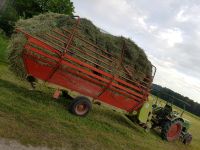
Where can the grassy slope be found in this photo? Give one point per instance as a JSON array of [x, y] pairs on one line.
[[33, 117], [3, 47]]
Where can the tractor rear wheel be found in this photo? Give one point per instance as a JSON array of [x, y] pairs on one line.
[[171, 130], [80, 106]]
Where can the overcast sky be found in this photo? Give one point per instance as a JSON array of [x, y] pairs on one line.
[[167, 30]]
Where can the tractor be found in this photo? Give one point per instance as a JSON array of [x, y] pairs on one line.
[[170, 122]]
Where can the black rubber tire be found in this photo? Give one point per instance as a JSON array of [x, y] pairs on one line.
[[80, 101], [166, 129], [187, 138]]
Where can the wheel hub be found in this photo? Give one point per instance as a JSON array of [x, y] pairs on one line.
[[174, 131], [81, 109]]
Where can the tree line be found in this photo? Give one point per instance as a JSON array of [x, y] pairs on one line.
[[176, 98]]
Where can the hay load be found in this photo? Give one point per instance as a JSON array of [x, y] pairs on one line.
[[44, 23]]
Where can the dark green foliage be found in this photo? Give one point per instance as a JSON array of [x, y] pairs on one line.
[[8, 16], [15, 9], [57, 6], [29, 8], [26, 8]]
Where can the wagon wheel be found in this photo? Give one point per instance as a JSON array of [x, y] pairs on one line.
[[187, 138], [171, 130], [80, 106]]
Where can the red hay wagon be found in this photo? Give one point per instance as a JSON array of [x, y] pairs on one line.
[[90, 71]]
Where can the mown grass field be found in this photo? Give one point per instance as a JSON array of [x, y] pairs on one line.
[[34, 118]]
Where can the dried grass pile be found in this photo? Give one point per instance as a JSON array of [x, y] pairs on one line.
[[44, 23]]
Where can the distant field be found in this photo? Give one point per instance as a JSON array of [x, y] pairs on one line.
[[34, 118]]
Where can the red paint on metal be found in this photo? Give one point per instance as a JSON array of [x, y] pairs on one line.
[[118, 100], [174, 131], [91, 44], [67, 70]]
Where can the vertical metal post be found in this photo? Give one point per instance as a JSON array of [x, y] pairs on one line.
[[114, 74], [67, 46], [72, 34]]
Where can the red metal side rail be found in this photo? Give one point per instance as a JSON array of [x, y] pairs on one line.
[[88, 70]]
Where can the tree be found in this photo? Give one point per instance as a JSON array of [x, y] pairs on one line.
[[16, 9], [8, 16], [57, 6], [28, 8]]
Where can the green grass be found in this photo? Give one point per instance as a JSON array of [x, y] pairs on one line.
[[3, 48], [34, 118]]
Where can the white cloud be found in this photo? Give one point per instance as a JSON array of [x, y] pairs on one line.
[[169, 77], [152, 28], [182, 16], [171, 36], [167, 30], [188, 13]]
